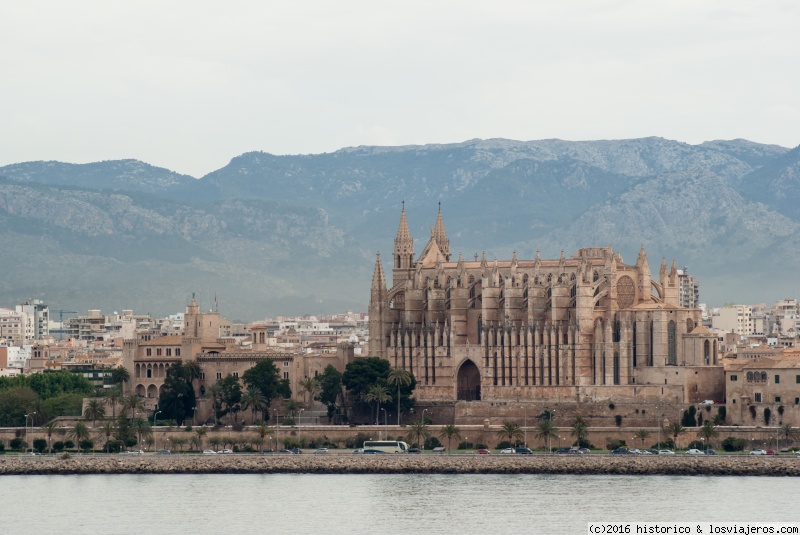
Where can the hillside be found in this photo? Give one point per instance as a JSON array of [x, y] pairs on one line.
[[297, 234]]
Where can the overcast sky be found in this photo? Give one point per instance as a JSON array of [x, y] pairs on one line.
[[189, 85]]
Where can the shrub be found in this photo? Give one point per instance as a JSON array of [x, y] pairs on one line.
[[288, 421], [114, 446], [17, 444], [696, 444], [357, 441], [614, 443], [66, 456], [431, 443], [188, 429], [481, 446], [666, 443], [503, 445], [58, 446], [40, 445], [68, 444], [734, 444], [465, 445], [689, 419], [86, 445]]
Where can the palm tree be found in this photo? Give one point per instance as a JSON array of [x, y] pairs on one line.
[[194, 369], [449, 432], [708, 432], [512, 431], [310, 386], [398, 377], [201, 432], [263, 431], [120, 374], [675, 429], [580, 430], [108, 428], [418, 432], [143, 429], [546, 430], [133, 403], [642, 435], [79, 432], [50, 428], [291, 407], [94, 410], [378, 394], [254, 400], [114, 395]]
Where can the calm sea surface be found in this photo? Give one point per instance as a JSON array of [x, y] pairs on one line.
[[355, 504]]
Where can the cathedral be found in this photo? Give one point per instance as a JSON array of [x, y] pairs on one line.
[[583, 328]]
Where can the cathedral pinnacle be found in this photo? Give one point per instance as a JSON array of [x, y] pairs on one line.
[[440, 236], [378, 278]]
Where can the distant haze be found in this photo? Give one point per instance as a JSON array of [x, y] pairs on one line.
[[185, 85], [274, 234]]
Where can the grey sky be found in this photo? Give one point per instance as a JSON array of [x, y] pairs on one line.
[[189, 85]]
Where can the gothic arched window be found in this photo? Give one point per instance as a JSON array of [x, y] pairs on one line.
[[672, 356]]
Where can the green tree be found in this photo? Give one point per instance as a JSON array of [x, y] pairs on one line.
[[378, 394], [642, 435], [14, 405], [789, 433], [114, 396], [310, 388], [142, 428], [132, 404], [95, 409], [362, 373], [580, 430], [78, 432], [546, 430], [263, 431], [120, 375], [177, 400], [676, 429], [399, 377], [330, 383], [708, 432], [418, 432], [50, 428], [264, 376], [450, 432], [255, 401], [291, 408], [108, 429], [512, 431], [64, 405], [200, 432], [227, 396]]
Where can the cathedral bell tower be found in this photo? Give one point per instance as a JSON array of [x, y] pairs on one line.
[[403, 251]]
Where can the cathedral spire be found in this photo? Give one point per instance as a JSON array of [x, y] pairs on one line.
[[378, 278], [403, 244], [641, 260], [440, 236]]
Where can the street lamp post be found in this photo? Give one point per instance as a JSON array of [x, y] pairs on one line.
[[422, 421], [194, 416], [385, 425], [525, 426], [550, 450], [154, 428], [275, 411]]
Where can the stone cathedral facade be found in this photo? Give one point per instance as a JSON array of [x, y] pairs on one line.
[[583, 328]]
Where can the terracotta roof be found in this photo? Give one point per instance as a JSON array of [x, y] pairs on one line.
[[171, 340], [700, 330]]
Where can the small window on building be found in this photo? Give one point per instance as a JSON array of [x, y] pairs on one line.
[[797, 401], [236, 375], [149, 373], [797, 379], [777, 379], [177, 352], [203, 376], [149, 352], [734, 378], [757, 397], [169, 351], [219, 376], [734, 402], [777, 399], [285, 375], [285, 363]]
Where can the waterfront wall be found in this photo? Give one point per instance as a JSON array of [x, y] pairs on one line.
[[346, 463]]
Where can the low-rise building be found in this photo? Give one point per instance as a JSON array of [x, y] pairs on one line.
[[763, 391]]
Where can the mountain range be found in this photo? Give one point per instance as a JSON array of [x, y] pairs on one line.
[[269, 234]]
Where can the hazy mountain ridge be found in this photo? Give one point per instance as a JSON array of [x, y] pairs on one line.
[[288, 234]]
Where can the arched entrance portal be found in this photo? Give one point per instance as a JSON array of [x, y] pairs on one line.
[[469, 382]]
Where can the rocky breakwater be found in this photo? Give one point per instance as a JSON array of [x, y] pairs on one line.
[[344, 463]]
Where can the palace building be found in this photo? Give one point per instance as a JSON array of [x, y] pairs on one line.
[[582, 328]]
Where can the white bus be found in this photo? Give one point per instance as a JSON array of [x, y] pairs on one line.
[[385, 446]]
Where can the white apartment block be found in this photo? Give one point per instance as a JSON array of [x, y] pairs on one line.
[[734, 318], [688, 289]]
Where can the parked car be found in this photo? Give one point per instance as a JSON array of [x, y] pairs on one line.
[[709, 451], [621, 451], [635, 451], [367, 450], [666, 452], [410, 450], [507, 450], [268, 450], [694, 451], [524, 451], [708, 402], [321, 450], [163, 452], [771, 452], [209, 452], [483, 451], [758, 452], [226, 450], [647, 452], [584, 450], [361, 450]]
